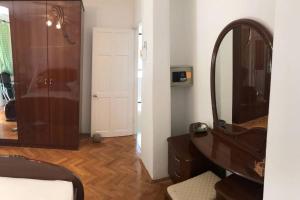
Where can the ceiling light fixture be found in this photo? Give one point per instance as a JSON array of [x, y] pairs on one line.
[[57, 17], [58, 25], [49, 23]]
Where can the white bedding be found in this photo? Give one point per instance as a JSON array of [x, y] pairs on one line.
[[29, 189]]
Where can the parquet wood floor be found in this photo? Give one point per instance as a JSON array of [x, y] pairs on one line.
[[108, 170], [261, 122]]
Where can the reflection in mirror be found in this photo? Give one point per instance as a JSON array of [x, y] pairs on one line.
[[8, 124], [242, 78]]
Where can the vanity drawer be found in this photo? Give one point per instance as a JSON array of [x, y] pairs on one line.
[[184, 160], [175, 166]]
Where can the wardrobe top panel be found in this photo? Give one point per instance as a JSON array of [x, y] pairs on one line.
[[49, 0]]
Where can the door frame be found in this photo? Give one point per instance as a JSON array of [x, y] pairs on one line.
[[136, 43]]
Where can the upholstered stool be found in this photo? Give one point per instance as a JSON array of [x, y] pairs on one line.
[[201, 187]]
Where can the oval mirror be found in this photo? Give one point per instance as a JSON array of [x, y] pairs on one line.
[[241, 76]]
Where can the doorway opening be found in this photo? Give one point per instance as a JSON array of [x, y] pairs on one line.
[[139, 85], [8, 123]]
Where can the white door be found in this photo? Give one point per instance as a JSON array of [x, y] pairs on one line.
[[112, 82]]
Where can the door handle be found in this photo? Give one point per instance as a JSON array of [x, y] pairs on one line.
[[95, 96], [51, 81], [45, 81]]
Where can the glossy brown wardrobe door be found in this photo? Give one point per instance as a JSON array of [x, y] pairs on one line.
[[251, 75], [64, 45], [29, 43]]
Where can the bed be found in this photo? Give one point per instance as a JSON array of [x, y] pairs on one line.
[[23, 178]]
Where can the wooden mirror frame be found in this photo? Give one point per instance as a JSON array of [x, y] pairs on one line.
[[266, 35]]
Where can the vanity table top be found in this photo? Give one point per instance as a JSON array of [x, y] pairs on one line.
[[237, 153]]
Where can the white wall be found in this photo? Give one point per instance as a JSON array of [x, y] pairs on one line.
[[179, 103], [137, 12], [147, 89], [182, 44], [283, 153], [182, 29], [224, 78], [100, 13], [156, 111], [161, 87], [212, 17]]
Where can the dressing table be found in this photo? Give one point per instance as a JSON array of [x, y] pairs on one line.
[[235, 153], [240, 91]]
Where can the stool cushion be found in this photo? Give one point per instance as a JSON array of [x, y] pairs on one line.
[[201, 187]]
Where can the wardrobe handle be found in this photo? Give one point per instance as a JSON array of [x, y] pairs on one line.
[[46, 81], [51, 81]]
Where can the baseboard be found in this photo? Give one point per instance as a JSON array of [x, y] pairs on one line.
[[161, 180], [149, 178], [146, 171]]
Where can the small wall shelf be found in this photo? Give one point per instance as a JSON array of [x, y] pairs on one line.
[[181, 76]]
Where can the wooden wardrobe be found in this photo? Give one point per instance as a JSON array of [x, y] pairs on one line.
[[46, 45]]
